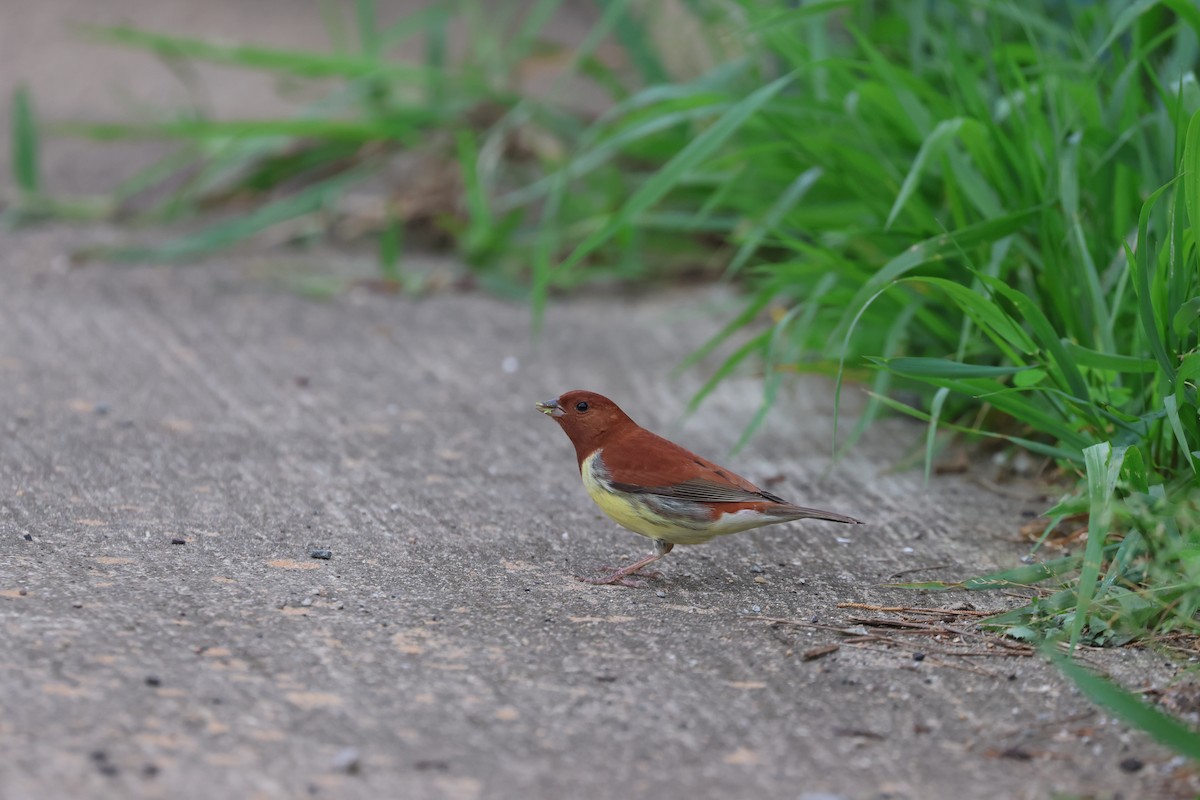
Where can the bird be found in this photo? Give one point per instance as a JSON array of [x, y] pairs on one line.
[[658, 489]]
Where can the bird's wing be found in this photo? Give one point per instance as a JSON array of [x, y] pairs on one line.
[[644, 463], [701, 490]]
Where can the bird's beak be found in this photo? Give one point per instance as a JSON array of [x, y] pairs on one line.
[[550, 408]]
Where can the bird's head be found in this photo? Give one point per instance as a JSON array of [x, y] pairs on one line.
[[586, 417]]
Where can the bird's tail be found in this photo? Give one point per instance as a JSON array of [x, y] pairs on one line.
[[800, 512]]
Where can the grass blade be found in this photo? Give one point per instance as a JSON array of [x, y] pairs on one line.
[[296, 63], [1103, 465], [674, 170], [931, 149], [1139, 261], [230, 232], [1130, 707], [25, 162], [935, 412], [791, 196]]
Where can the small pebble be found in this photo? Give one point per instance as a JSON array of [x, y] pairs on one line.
[[843, 540], [306, 602], [347, 760], [756, 568], [918, 656], [29, 537], [756, 609], [510, 364], [321, 553], [77, 604], [103, 764], [101, 409], [661, 593], [150, 771], [907, 550], [153, 680], [1131, 764], [177, 540]]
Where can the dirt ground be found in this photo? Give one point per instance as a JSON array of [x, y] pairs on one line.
[[175, 443]]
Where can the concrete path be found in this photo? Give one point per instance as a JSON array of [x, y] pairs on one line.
[[174, 444]]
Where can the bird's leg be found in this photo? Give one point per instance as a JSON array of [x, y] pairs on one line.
[[621, 576]]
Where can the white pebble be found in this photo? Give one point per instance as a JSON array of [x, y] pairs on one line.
[[510, 364]]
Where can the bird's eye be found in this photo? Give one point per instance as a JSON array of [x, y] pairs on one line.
[[581, 406]]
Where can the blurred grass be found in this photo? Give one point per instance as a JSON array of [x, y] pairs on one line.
[[987, 208], [25, 162]]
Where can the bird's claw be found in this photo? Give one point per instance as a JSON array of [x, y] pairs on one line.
[[652, 574], [617, 579]]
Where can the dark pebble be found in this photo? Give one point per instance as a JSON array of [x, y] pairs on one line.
[[150, 771], [77, 604], [918, 656], [321, 553], [177, 540], [102, 763], [1017, 754], [1132, 764], [153, 680], [29, 537], [432, 764], [101, 409], [348, 761]]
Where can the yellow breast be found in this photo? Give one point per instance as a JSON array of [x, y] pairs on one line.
[[630, 512]]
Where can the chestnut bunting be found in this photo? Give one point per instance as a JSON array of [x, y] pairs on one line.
[[657, 488]]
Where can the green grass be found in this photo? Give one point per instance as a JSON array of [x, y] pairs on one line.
[[986, 205]]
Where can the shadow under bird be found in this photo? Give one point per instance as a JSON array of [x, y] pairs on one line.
[[654, 487]]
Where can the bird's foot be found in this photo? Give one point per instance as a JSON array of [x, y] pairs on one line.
[[624, 575], [617, 579], [652, 574]]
